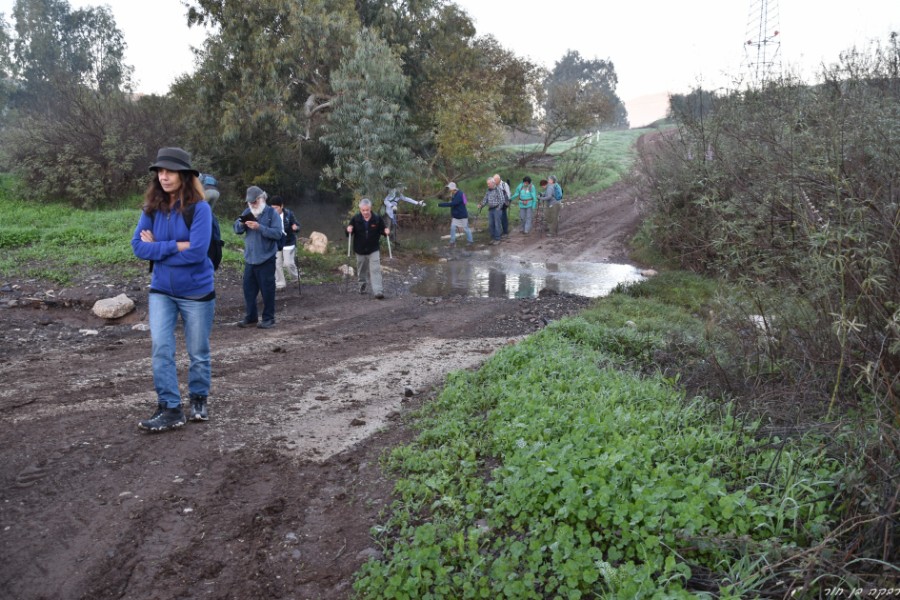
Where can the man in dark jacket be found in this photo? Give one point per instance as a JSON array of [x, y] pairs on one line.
[[458, 213], [367, 229], [286, 257]]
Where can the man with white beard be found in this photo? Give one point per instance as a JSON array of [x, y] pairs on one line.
[[263, 228]]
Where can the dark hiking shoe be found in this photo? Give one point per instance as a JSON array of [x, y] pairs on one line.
[[362, 288], [160, 409], [168, 418], [198, 408], [266, 324], [379, 296], [245, 323]]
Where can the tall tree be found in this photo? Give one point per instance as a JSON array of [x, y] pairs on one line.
[[262, 89], [468, 129], [71, 131], [55, 46], [368, 131], [581, 96]]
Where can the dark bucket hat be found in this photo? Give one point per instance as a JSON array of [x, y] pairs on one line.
[[174, 159]]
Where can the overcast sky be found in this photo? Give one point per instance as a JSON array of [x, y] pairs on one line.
[[657, 46]]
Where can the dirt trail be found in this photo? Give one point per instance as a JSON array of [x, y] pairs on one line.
[[275, 495]]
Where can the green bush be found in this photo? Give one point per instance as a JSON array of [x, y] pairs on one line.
[[789, 192]]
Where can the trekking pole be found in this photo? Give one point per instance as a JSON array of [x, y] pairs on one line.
[[297, 266], [346, 279], [390, 255]]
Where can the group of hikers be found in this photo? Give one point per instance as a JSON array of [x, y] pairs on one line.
[[178, 233], [498, 199]]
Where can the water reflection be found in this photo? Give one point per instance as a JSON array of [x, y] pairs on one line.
[[512, 278]]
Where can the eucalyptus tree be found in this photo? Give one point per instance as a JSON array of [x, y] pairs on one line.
[[267, 75], [55, 46], [262, 88], [368, 131]]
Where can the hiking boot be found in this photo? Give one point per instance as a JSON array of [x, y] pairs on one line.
[[160, 409], [165, 419], [362, 288], [198, 408], [451, 245], [379, 296], [266, 324], [246, 323]]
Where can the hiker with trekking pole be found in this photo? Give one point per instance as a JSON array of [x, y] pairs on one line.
[[365, 230], [390, 203], [286, 256], [494, 199]]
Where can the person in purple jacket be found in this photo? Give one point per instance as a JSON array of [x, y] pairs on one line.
[[182, 284]]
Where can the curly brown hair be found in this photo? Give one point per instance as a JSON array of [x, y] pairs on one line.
[[156, 198]]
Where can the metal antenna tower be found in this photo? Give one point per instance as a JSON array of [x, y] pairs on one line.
[[762, 49]]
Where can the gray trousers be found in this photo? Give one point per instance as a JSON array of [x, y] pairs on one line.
[[368, 267]]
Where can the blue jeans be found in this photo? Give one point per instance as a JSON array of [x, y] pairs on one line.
[[259, 279], [504, 220], [495, 226], [464, 224], [525, 216], [197, 317]]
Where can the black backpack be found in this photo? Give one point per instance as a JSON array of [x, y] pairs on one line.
[[214, 252]]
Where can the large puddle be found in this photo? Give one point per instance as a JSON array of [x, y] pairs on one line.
[[509, 277]]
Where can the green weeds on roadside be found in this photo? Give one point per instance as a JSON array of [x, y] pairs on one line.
[[559, 470]]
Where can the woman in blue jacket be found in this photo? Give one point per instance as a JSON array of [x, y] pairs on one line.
[[181, 284]]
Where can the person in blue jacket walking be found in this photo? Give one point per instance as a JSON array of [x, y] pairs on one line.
[[181, 284], [459, 214]]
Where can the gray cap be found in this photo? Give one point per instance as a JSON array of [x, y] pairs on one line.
[[253, 193]]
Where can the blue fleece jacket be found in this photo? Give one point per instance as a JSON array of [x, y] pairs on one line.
[[262, 243], [186, 274], [457, 207]]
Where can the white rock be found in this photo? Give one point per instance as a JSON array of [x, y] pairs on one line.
[[317, 243], [88, 332], [648, 272], [113, 308], [140, 327]]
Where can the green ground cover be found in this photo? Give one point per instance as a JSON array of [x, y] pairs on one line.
[[564, 468]]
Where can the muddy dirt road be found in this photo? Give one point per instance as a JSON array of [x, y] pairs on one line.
[[274, 497]]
